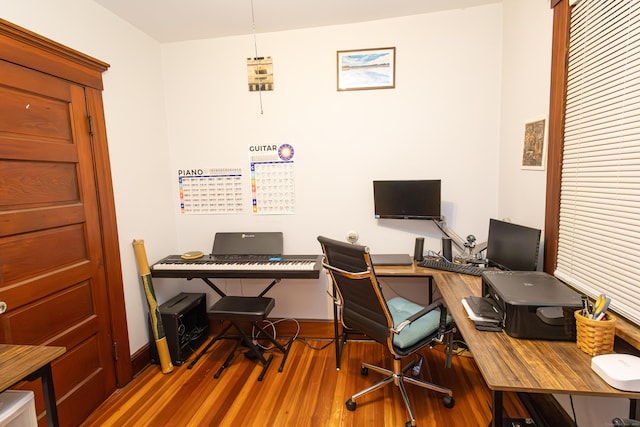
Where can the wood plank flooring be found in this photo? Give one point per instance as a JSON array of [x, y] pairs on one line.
[[309, 392]]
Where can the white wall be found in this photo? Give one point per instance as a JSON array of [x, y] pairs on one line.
[[526, 69], [441, 121]]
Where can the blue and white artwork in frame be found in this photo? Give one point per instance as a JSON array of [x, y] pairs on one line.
[[367, 69]]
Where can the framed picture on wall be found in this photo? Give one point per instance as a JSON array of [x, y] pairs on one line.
[[534, 150], [260, 73], [367, 69]]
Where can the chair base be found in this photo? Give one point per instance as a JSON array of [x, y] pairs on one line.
[[397, 376]]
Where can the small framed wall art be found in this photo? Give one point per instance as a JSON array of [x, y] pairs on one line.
[[367, 69], [534, 150], [260, 73]]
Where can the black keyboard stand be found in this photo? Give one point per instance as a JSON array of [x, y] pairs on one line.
[[245, 340], [310, 266]]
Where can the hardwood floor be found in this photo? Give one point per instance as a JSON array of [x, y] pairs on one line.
[[309, 392]]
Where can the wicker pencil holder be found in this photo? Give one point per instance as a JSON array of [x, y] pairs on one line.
[[595, 337]]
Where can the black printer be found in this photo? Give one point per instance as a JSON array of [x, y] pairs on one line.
[[535, 304]]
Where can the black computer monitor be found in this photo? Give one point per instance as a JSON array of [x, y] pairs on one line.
[[407, 199], [512, 246]]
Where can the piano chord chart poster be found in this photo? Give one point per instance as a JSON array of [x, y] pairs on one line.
[[272, 179], [210, 191]]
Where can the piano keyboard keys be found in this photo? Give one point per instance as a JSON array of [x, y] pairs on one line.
[[239, 266], [287, 266]]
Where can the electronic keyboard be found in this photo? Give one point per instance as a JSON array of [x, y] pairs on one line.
[[250, 266]]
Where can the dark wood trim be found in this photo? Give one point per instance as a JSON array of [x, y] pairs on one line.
[[28, 49], [110, 241], [140, 360], [559, 52], [559, 62]]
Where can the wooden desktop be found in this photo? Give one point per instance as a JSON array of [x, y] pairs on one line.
[[28, 362], [510, 364]]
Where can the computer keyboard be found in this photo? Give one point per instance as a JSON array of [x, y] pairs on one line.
[[436, 264]]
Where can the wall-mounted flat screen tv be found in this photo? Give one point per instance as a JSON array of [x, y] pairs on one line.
[[407, 199]]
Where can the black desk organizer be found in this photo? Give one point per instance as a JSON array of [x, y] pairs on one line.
[[186, 325]]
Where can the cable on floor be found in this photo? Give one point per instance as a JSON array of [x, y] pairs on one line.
[[255, 335], [305, 341]]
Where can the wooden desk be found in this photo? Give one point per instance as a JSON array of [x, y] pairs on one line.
[[28, 362], [510, 364], [520, 365], [407, 271]]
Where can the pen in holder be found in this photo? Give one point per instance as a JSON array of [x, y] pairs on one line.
[[595, 337]]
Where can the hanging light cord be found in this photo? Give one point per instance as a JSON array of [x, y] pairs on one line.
[[255, 47]]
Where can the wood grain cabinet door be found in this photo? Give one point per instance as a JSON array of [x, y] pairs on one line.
[[52, 274]]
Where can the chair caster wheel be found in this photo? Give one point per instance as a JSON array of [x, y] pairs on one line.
[[449, 401], [364, 370], [351, 405], [408, 424]]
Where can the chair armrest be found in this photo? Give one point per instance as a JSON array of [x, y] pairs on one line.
[[350, 274]]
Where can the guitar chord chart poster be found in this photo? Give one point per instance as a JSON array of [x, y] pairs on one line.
[[272, 179], [210, 191]]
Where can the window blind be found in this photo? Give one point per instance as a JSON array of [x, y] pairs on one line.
[[599, 229]]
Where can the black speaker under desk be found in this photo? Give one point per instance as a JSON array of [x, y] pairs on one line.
[[186, 325]]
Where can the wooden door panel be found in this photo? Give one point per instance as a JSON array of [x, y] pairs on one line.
[[65, 310], [44, 284], [25, 111], [84, 376], [26, 114], [18, 148], [80, 366], [37, 183], [75, 407], [51, 260], [29, 254], [25, 220], [15, 77]]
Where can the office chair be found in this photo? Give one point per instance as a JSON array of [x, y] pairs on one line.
[[399, 324]]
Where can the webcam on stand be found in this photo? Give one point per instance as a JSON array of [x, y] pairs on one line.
[[469, 249]]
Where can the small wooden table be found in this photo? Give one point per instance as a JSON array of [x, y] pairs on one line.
[[28, 362]]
